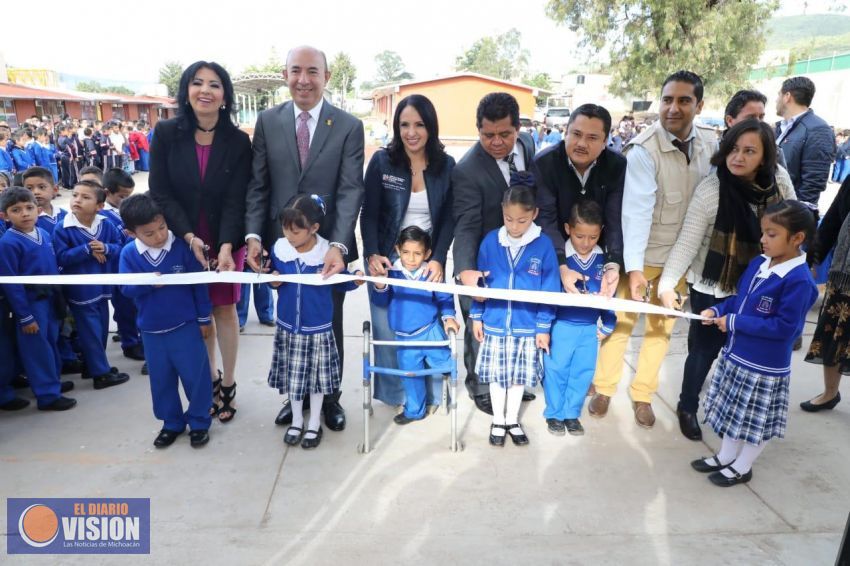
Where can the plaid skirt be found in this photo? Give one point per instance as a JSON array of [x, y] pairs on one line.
[[745, 405], [508, 360], [304, 363]]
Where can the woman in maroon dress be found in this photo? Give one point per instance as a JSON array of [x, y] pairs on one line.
[[200, 164]]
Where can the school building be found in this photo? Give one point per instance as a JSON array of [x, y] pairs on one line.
[[455, 98], [20, 102]]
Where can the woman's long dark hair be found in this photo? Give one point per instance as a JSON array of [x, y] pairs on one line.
[[186, 115], [767, 170], [434, 149]]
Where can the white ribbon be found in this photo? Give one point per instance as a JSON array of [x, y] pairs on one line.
[[206, 277]]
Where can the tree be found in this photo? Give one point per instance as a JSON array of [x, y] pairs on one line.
[[272, 65], [649, 39], [169, 75], [343, 74], [542, 81], [94, 86], [501, 56], [390, 68]]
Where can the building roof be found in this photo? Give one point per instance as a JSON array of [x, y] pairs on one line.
[[16, 91], [395, 87]]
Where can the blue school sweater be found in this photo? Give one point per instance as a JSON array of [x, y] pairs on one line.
[[412, 311], [592, 268], [114, 217], [22, 159], [304, 309], [533, 268], [45, 156], [6, 163], [171, 306], [767, 314], [48, 223], [25, 254], [74, 256]]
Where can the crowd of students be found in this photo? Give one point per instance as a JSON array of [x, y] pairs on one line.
[[70, 145]]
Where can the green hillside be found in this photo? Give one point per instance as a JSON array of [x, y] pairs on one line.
[[816, 35]]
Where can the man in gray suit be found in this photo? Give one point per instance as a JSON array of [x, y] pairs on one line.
[[479, 180], [308, 146]]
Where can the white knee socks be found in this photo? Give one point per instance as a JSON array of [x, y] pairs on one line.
[[297, 413], [497, 399], [315, 412], [744, 462], [728, 450], [514, 401]]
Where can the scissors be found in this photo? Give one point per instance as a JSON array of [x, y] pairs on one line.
[[206, 251], [584, 290], [647, 294]]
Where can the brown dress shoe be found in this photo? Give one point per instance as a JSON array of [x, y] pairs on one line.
[[644, 416], [598, 406]]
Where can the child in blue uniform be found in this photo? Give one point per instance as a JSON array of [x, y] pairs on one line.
[[174, 320], [747, 401], [570, 366], [21, 157], [6, 163], [119, 185], [39, 180], [305, 360], [516, 256], [44, 154], [25, 250], [419, 315], [85, 242]]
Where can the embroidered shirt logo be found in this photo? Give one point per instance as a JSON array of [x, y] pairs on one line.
[[392, 183], [177, 268], [765, 304], [534, 266]]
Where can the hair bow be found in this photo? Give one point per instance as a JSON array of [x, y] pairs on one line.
[[522, 179]]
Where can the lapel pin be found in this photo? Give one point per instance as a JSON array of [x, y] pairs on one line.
[[329, 122]]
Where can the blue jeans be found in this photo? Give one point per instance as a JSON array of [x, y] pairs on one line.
[[263, 303]]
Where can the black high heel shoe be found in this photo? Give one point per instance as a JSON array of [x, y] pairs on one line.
[[810, 407]]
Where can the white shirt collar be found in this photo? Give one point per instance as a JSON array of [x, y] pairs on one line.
[[56, 210], [787, 123], [412, 275], [72, 222], [107, 206], [780, 269], [316, 256], [570, 251], [314, 112], [581, 177], [689, 137], [141, 247], [530, 235]]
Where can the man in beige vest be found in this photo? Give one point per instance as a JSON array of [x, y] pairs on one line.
[[665, 164]]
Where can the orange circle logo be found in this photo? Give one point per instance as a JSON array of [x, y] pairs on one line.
[[38, 525]]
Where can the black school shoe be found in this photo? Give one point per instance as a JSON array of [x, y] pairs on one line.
[[574, 427], [136, 352], [556, 427], [166, 438], [20, 382], [518, 438], [60, 404], [73, 367], [66, 386], [198, 438], [718, 479], [310, 443], [110, 379], [15, 404], [704, 465]]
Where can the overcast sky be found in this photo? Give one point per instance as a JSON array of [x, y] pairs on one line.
[[428, 35]]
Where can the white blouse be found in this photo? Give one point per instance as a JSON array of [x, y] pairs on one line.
[[418, 213]]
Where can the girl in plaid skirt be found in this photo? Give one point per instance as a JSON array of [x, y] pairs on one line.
[[747, 401], [516, 256], [305, 360]]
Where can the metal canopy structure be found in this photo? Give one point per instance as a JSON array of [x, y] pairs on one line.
[[253, 83]]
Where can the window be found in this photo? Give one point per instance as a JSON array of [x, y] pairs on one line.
[[89, 111], [7, 113], [54, 109], [579, 79], [118, 111]]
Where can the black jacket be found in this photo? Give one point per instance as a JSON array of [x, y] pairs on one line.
[[387, 199], [559, 188], [830, 226], [175, 181], [809, 149], [478, 186]]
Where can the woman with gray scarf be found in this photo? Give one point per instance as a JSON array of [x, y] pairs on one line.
[[831, 342]]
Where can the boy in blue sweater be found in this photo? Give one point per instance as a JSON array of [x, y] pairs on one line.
[[39, 180], [6, 163], [21, 157], [85, 242], [44, 153], [174, 321], [119, 185], [415, 314], [25, 250], [576, 333]]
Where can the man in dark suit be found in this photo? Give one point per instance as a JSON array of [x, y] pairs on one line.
[[806, 140], [308, 146], [582, 167], [479, 180]]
